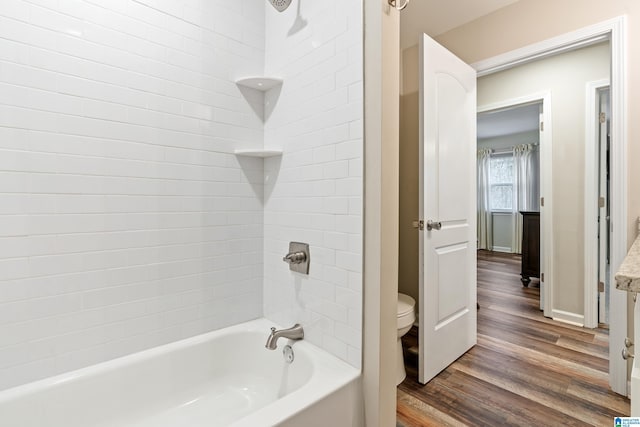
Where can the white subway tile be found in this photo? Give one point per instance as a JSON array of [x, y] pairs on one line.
[[335, 346], [356, 129], [118, 209], [336, 170], [349, 298], [355, 356], [348, 335], [130, 223], [15, 9], [349, 261], [55, 21], [324, 154], [337, 241], [320, 111], [356, 168], [27, 372], [349, 186], [355, 319], [355, 206], [355, 280], [348, 224], [38, 308], [349, 149]]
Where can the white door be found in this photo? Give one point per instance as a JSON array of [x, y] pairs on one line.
[[448, 200]]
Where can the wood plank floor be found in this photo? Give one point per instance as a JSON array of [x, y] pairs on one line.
[[526, 370]]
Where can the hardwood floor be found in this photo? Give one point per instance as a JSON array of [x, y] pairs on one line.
[[525, 370]]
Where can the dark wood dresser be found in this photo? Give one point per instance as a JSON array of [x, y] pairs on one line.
[[530, 246]]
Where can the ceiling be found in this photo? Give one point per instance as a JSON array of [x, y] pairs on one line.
[[519, 119], [435, 17]]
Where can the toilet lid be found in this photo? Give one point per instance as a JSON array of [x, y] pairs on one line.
[[406, 304]]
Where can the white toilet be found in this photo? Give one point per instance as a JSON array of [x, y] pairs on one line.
[[406, 317]]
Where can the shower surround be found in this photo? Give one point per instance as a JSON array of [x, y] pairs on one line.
[[127, 222]]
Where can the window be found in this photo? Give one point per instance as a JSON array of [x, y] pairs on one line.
[[501, 182]]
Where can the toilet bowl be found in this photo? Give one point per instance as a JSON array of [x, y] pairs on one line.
[[406, 317]]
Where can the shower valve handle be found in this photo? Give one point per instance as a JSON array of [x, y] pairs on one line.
[[295, 257]]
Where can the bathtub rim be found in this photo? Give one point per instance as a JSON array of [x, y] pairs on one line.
[[330, 374]]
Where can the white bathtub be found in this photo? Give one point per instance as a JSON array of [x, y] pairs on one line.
[[222, 378]]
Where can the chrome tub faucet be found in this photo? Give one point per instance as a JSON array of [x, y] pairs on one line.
[[294, 333]]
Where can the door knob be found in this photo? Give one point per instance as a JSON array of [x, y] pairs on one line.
[[626, 354], [433, 225]]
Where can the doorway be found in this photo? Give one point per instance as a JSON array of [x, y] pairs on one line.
[[610, 31], [613, 31], [563, 77], [508, 185]]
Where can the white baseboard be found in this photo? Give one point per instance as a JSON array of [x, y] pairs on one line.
[[567, 317], [501, 249]]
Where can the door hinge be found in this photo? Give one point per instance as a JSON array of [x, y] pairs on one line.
[[600, 286], [603, 117], [541, 126], [541, 201], [601, 202], [542, 277]]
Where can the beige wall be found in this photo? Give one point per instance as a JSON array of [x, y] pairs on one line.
[[565, 77], [531, 21], [487, 37], [409, 175]]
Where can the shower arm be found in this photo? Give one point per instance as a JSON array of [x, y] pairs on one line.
[[280, 5], [394, 3]]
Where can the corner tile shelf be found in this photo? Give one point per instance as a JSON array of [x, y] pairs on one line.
[[262, 84], [263, 153]]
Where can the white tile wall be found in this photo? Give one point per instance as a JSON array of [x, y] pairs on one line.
[[313, 193], [124, 221]]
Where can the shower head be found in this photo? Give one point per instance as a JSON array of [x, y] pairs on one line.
[[280, 5]]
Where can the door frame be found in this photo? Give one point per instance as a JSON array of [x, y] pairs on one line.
[[613, 30], [591, 195], [546, 187]]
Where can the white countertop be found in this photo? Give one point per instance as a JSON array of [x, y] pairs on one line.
[[628, 275]]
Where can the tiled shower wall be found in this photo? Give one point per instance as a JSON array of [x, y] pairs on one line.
[[313, 194], [124, 221]]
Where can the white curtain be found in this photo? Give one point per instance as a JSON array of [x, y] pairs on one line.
[[485, 238], [526, 191]]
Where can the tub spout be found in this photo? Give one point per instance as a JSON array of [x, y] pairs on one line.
[[294, 333]]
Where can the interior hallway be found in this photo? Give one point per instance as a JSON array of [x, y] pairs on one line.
[[525, 370]]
